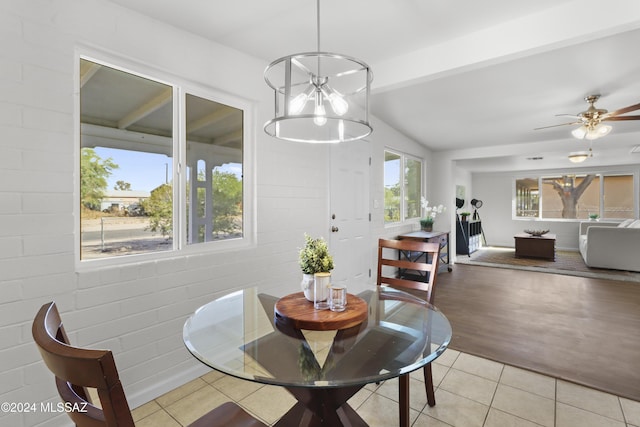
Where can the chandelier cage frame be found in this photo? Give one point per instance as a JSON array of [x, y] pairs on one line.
[[319, 97]]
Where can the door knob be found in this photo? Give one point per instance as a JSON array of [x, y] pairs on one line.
[[334, 229]]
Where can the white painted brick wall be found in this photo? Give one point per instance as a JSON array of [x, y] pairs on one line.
[[136, 310]]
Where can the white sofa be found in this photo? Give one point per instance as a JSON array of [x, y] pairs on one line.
[[613, 245]]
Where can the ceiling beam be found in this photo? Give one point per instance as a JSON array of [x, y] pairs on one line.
[[229, 138], [88, 70], [146, 108], [564, 25], [212, 118]]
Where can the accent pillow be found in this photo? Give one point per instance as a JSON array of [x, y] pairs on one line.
[[634, 224], [626, 223]]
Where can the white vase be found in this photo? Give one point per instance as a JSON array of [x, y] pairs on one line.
[[307, 286]]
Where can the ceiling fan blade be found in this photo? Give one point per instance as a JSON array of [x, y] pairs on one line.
[[620, 118], [568, 115], [562, 124], [623, 110]]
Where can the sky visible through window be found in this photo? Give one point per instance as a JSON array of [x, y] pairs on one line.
[[146, 171]]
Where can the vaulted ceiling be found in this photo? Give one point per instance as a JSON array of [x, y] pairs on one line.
[[468, 76]]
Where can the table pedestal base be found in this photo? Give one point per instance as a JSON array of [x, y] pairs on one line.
[[322, 407]]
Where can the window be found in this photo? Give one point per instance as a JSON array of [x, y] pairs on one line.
[[402, 187], [575, 196], [132, 191]]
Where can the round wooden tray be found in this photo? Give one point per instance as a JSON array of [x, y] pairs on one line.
[[295, 310]]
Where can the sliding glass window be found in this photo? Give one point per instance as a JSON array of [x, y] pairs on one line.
[[575, 196], [135, 198]]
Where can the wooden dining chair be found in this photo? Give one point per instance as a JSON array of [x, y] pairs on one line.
[[411, 266], [77, 369]]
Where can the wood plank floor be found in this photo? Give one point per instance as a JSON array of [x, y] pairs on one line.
[[579, 329]]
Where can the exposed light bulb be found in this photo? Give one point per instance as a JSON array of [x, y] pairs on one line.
[[297, 104], [320, 113], [338, 104]]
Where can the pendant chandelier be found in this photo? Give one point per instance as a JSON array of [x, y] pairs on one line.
[[319, 96]]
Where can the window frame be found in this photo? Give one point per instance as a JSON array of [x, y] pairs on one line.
[[601, 174], [180, 88], [403, 202]]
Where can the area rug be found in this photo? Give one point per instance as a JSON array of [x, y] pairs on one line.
[[567, 262]]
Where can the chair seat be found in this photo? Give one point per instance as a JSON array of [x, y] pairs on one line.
[[227, 414]]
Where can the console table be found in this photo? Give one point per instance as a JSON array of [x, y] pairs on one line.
[[528, 246], [441, 237]]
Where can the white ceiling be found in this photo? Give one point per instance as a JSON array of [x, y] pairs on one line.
[[456, 75]]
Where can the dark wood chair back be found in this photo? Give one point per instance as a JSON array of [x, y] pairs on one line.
[[77, 369], [418, 264]]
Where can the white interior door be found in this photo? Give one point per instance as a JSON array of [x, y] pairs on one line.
[[350, 219]]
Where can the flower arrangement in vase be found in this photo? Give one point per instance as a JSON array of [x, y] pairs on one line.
[[314, 258], [430, 213]]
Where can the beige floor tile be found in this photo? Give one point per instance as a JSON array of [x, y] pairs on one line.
[[158, 419], [498, 418], [437, 373], [417, 392], [631, 410], [380, 411], [470, 386], [457, 410], [532, 382], [478, 366], [180, 392], [269, 403], [236, 388], [447, 358], [359, 398], [525, 405], [195, 405], [212, 376], [569, 416], [591, 400], [425, 420], [145, 410]]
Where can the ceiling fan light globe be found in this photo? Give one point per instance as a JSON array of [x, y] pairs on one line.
[[580, 132], [578, 157], [603, 130]]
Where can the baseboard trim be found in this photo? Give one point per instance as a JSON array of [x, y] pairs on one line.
[[138, 398]]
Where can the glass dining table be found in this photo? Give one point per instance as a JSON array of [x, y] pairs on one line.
[[240, 334]]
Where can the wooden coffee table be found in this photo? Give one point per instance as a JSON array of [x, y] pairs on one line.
[[528, 246]]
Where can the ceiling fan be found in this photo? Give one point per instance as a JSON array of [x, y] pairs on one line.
[[591, 119]]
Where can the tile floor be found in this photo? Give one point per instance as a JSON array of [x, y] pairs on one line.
[[471, 391]]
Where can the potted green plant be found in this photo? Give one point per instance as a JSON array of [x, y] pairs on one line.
[[314, 258], [465, 215], [593, 216]]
